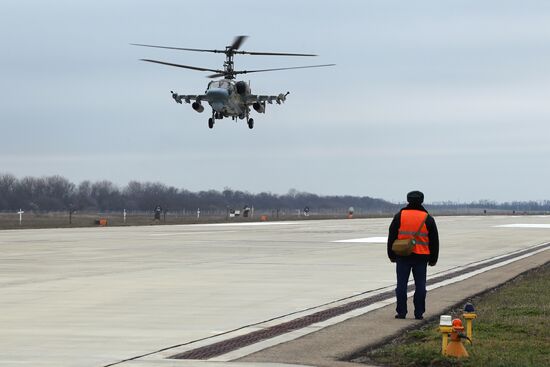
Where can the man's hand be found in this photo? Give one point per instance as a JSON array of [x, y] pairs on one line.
[[431, 263]]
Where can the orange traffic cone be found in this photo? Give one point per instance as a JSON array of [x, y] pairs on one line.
[[455, 348]]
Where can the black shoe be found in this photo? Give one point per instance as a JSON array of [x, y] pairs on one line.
[[420, 317], [398, 316]]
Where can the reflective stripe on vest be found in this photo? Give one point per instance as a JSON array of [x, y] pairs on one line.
[[410, 220]]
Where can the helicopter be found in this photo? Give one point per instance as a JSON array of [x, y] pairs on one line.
[[226, 96]]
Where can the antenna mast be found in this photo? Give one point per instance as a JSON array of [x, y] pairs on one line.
[[228, 65]]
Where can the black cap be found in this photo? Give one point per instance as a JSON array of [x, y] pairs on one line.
[[415, 197]]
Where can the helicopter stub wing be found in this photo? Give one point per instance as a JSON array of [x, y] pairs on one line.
[[266, 98], [187, 98]]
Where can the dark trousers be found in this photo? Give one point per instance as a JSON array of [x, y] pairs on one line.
[[418, 265]]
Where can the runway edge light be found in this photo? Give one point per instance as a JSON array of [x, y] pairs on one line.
[[455, 348], [445, 327], [469, 315]]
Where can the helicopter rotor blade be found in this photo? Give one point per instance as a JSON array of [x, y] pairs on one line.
[[179, 48], [182, 66], [222, 73], [272, 53], [237, 42], [277, 69], [233, 48], [217, 75]]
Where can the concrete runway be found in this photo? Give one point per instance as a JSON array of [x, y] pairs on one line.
[[98, 296]]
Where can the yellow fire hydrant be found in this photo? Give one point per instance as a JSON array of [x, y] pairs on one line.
[[455, 348], [445, 327], [469, 315]]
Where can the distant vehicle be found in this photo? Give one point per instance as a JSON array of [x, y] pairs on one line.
[[226, 96]]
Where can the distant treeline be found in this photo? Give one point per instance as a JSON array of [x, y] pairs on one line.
[[56, 193]]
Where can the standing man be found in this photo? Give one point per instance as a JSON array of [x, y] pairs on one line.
[[425, 252]]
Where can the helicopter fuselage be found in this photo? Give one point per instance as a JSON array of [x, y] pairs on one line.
[[224, 97], [229, 98]]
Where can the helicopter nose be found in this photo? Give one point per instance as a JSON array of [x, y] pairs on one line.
[[217, 94], [217, 98]]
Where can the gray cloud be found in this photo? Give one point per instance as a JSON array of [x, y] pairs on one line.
[[458, 89]]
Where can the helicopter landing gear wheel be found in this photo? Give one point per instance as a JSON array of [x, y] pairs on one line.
[[250, 123], [210, 122]]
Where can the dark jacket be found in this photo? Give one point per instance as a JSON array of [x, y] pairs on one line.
[[432, 235]]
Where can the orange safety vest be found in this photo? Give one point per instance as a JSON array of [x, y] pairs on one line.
[[410, 221]]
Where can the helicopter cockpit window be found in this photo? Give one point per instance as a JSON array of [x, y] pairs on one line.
[[218, 84], [221, 84], [230, 87]]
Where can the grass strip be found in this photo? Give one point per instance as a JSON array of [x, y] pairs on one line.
[[512, 329]]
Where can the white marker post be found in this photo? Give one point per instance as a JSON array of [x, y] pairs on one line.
[[198, 213], [20, 212], [124, 214]]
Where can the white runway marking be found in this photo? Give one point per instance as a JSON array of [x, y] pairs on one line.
[[365, 240], [524, 225], [180, 233], [242, 224]]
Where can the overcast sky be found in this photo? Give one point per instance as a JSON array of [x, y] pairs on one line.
[[448, 97]]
